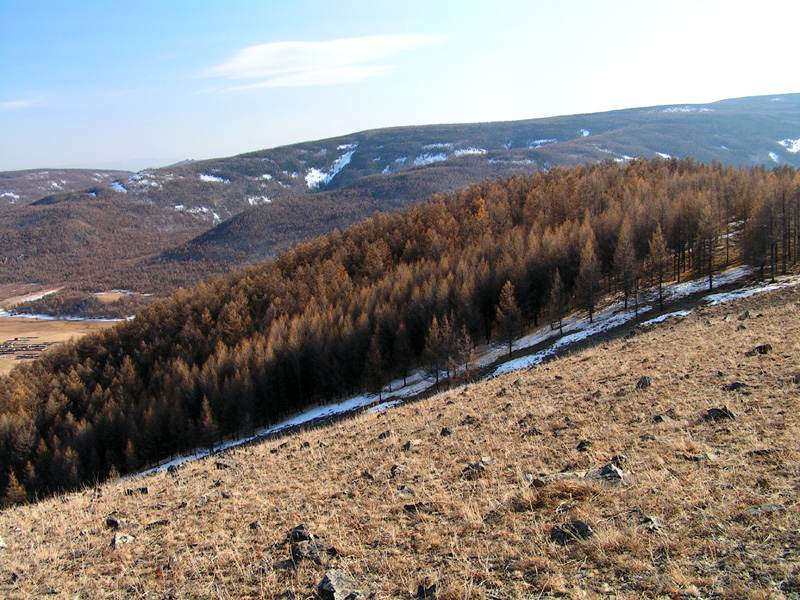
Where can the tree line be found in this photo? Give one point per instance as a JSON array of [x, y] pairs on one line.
[[353, 310]]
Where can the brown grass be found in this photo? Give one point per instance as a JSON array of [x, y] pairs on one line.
[[487, 537]]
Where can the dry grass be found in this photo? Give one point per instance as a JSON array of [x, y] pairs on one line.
[[487, 537]]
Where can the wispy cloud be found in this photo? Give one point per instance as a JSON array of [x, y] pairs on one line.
[[296, 64], [17, 104]]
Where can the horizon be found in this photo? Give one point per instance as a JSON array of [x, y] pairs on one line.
[[148, 86]]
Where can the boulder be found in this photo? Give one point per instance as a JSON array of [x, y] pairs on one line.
[[571, 532], [338, 585], [609, 474], [315, 551]]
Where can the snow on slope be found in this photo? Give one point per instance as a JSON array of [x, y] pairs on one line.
[[792, 146], [316, 178]]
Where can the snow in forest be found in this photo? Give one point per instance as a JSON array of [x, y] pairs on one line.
[[792, 146], [118, 187], [533, 144], [213, 178], [775, 158], [315, 178], [468, 151], [256, 200]]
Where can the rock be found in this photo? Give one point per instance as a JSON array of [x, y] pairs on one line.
[[719, 414], [383, 435], [172, 470], [315, 551], [300, 534], [427, 508], [548, 479], [647, 437], [411, 444], [446, 431], [159, 523], [741, 328], [134, 491], [287, 595], [173, 562], [734, 387], [609, 474], [476, 470], [644, 383], [405, 490], [113, 522], [762, 349], [571, 532], [395, 470], [761, 452], [583, 445], [121, 539], [744, 316], [654, 524], [791, 584], [765, 509], [337, 585], [426, 592], [227, 463], [619, 460], [3, 547], [255, 525]]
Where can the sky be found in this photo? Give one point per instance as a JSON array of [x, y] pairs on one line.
[[122, 84]]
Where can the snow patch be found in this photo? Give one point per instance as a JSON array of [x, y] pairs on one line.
[[255, 200], [687, 109], [427, 158], [585, 133], [386, 170], [533, 144], [316, 178], [213, 179], [118, 187], [792, 146], [662, 318], [438, 145], [347, 146], [775, 158], [14, 197], [468, 151], [266, 176], [664, 155]]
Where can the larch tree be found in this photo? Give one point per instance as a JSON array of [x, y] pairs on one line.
[[508, 316], [558, 301], [589, 273], [658, 261], [625, 265]]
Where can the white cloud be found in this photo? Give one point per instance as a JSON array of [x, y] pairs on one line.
[[15, 104], [296, 64]]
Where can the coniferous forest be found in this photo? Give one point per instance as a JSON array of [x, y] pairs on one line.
[[353, 310]]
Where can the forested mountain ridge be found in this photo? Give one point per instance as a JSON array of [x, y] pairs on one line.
[[293, 193], [348, 310]]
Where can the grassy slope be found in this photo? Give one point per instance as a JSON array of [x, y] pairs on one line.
[[488, 537]]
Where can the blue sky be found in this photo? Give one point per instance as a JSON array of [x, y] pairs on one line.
[[136, 84]]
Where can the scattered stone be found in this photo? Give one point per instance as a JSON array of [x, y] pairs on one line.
[[796, 378], [468, 420], [765, 509], [113, 522], [255, 525], [446, 431], [427, 508], [395, 470], [761, 452], [287, 595], [734, 387], [411, 444], [644, 383], [741, 328], [762, 349], [719, 414], [653, 524], [548, 479], [571, 532], [300, 534], [647, 437], [406, 490], [337, 585], [619, 460], [476, 470], [583, 445], [426, 592], [173, 562], [609, 474], [791, 584], [134, 491], [315, 551], [172, 470], [159, 523], [533, 431], [3, 547], [121, 539], [227, 463], [744, 316]]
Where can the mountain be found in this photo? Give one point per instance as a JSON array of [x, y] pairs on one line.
[[214, 215]]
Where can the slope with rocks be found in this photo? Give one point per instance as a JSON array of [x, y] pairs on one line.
[[682, 486]]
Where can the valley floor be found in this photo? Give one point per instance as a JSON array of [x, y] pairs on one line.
[[453, 490]]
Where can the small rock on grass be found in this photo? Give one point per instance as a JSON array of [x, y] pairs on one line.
[[762, 349], [338, 585], [719, 414], [644, 383], [571, 532], [120, 539]]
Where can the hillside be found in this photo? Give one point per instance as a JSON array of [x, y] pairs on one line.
[[413, 291], [706, 507], [242, 209]]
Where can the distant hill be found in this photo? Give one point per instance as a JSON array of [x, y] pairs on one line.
[[245, 208]]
